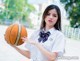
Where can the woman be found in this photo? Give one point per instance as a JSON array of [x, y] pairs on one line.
[[47, 43]]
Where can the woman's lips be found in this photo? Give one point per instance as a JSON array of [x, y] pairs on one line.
[[50, 20]]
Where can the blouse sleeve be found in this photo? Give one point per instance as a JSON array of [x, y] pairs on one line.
[[59, 45]]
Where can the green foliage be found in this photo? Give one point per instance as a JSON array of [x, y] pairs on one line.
[[16, 10], [73, 9]]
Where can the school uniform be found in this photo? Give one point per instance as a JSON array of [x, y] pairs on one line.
[[55, 42]]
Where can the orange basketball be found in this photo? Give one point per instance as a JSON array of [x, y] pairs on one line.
[[14, 33]]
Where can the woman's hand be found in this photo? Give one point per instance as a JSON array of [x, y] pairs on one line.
[[25, 39], [14, 46]]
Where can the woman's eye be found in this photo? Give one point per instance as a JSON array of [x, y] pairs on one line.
[[54, 16], [48, 14]]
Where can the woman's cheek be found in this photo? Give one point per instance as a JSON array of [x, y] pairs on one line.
[[55, 21], [46, 20]]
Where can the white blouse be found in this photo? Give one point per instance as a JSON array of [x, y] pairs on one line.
[[55, 43]]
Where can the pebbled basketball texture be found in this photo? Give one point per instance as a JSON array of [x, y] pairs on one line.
[[14, 33]]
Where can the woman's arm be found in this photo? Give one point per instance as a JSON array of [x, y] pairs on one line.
[[50, 55], [23, 52]]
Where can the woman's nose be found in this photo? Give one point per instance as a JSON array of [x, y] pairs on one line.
[[51, 16]]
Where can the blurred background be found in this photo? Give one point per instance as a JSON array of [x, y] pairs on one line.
[[29, 13]]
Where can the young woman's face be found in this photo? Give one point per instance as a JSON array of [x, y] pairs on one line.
[[51, 18]]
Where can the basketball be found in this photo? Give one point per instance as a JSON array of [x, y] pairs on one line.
[[14, 33]]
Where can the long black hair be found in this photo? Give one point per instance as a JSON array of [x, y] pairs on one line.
[[58, 23]]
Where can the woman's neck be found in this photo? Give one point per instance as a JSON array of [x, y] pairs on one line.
[[48, 27]]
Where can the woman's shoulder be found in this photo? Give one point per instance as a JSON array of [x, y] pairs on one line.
[[35, 32], [60, 36], [59, 33]]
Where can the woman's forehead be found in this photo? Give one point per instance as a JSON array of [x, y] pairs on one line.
[[52, 11]]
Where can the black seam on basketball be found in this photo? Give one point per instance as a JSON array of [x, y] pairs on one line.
[[10, 32]]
